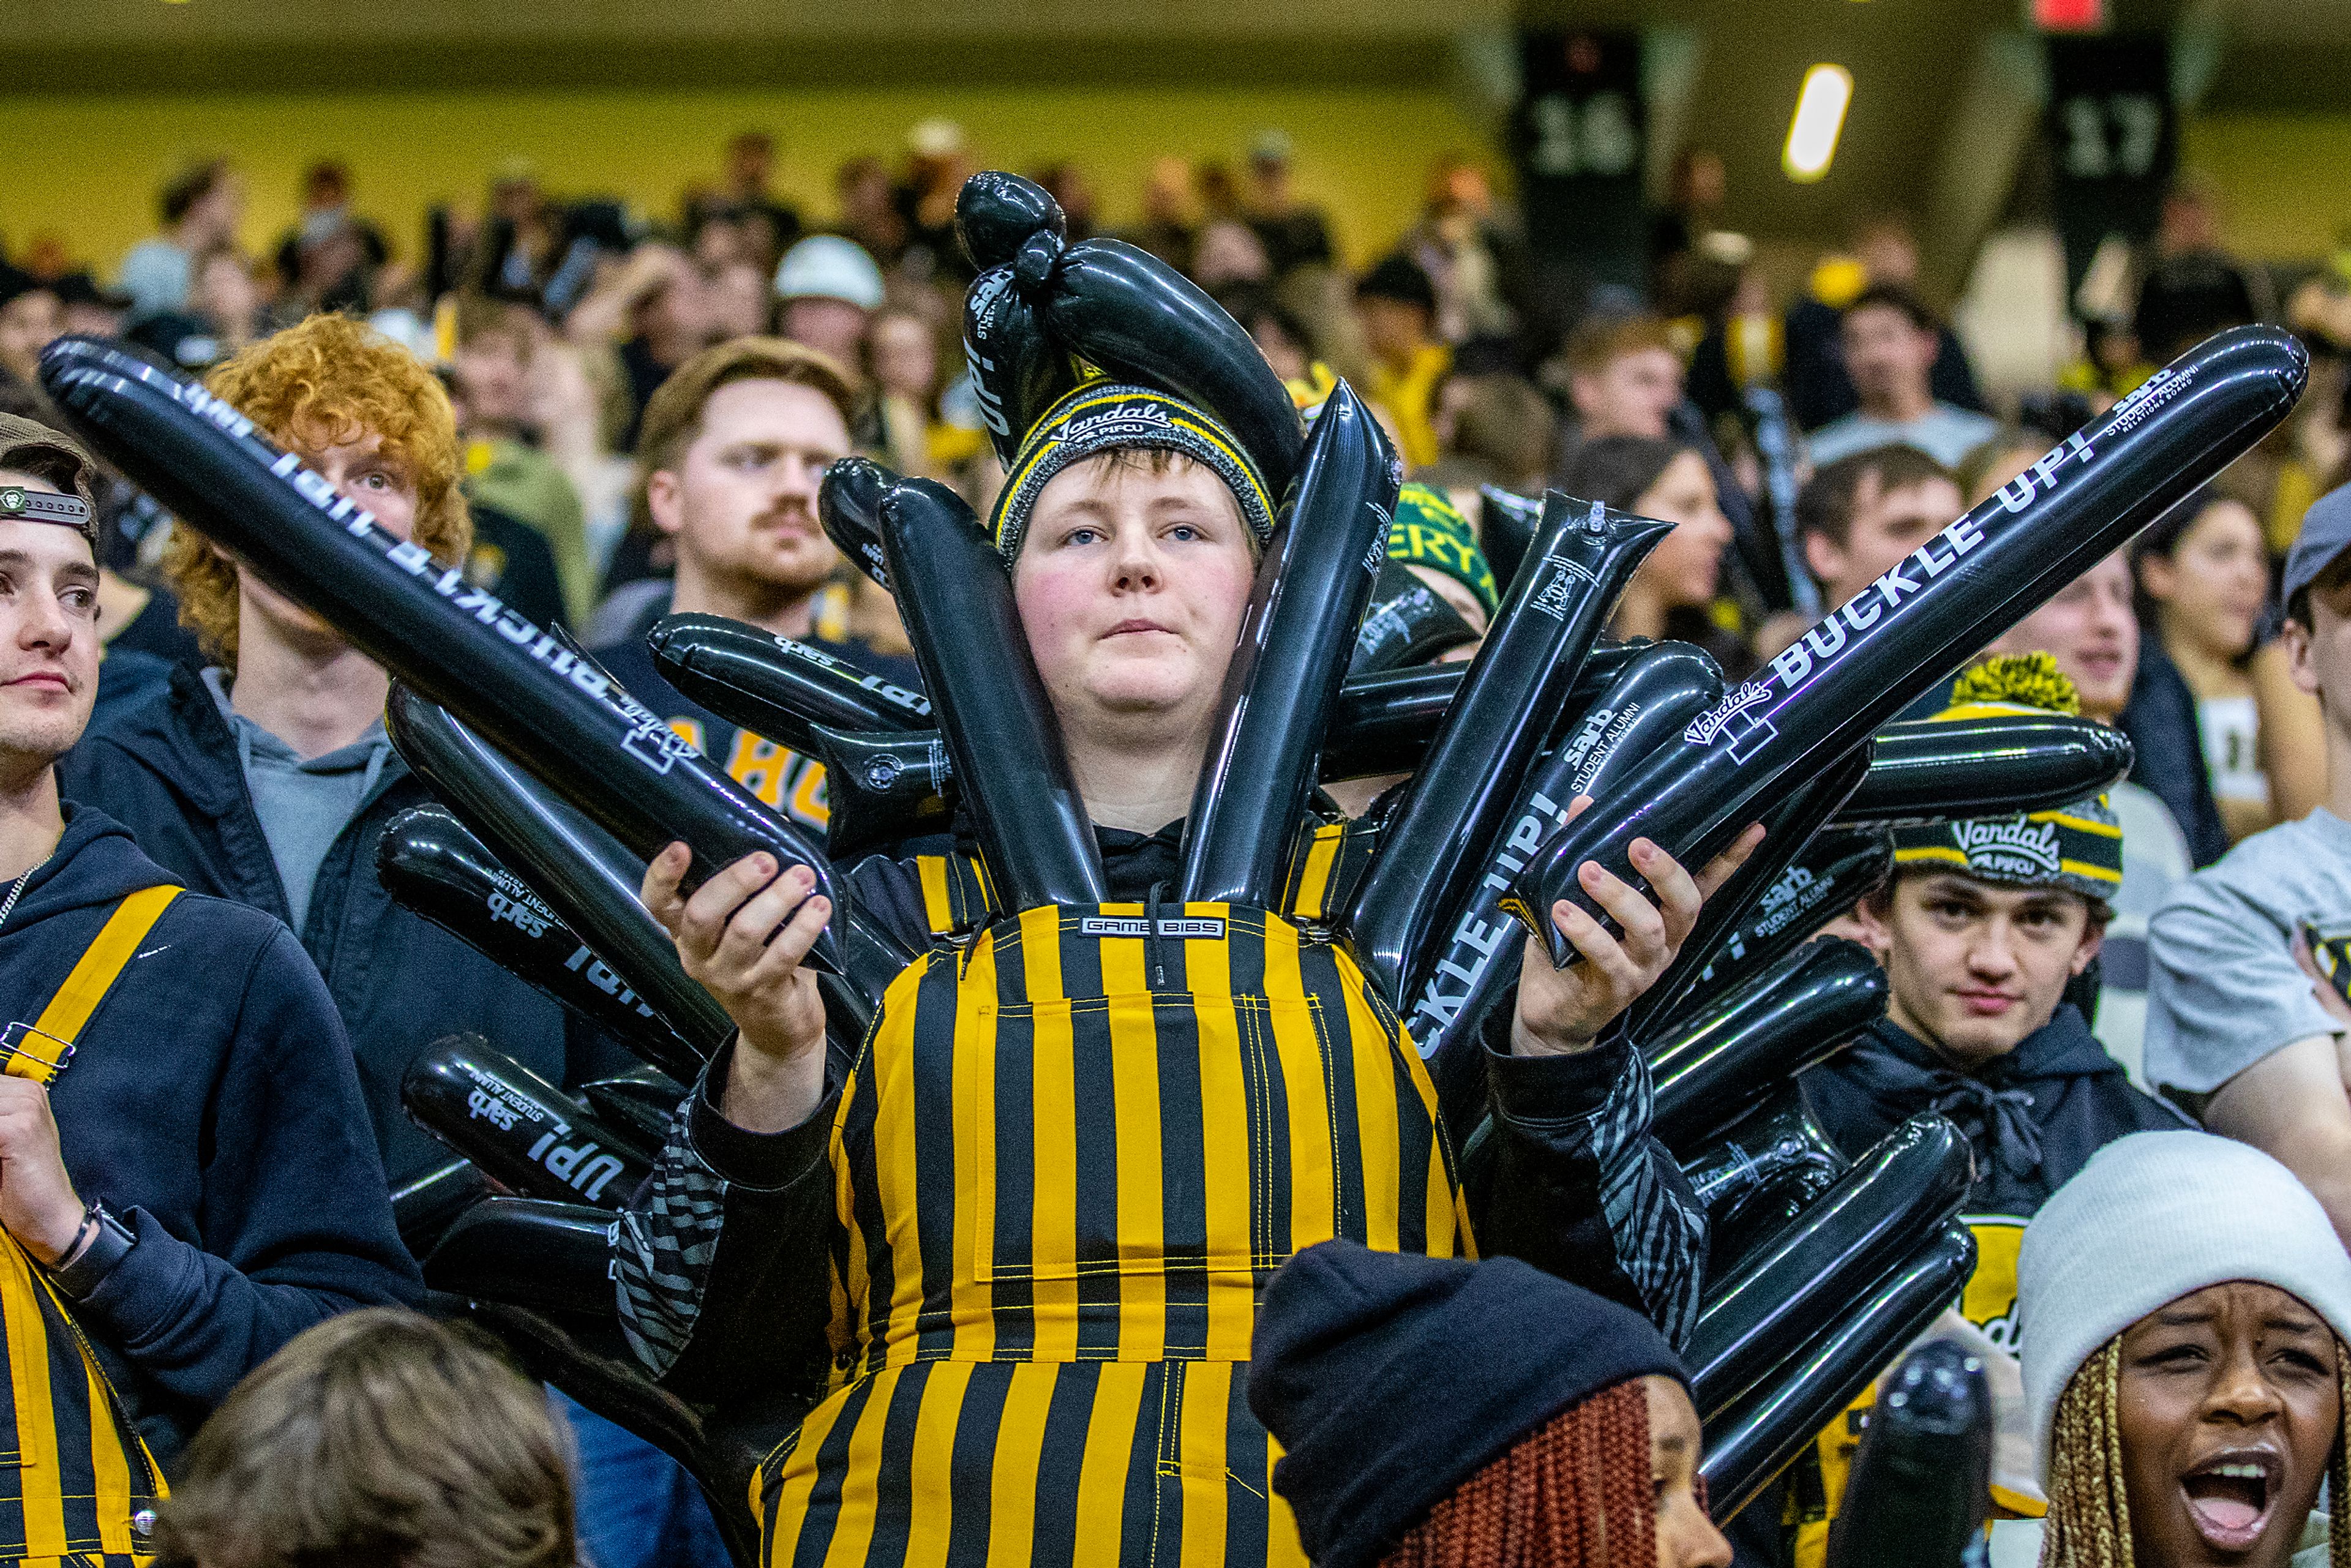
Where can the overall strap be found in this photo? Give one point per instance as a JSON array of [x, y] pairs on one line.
[[69, 1010]]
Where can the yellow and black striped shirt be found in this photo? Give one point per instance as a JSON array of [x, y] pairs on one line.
[[1070, 1154]]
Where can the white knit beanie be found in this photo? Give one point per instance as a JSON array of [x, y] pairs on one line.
[[2150, 1219]]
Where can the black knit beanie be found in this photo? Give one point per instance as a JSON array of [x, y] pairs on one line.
[[1389, 1380]]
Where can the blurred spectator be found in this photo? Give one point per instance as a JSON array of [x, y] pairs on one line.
[[1863, 514], [2241, 1024], [490, 378], [202, 206], [90, 310], [1494, 429], [567, 408], [1397, 309], [905, 377], [938, 163], [1464, 253], [828, 289], [1890, 345], [654, 298], [2203, 580], [1676, 582], [750, 166], [378, 1437], [223, 313], [1279, 334], [517, 250], [1169, 225], [2193, 287], [2111, 367], [735, 302], [1818, 386], [1227, 255], [31, 318], [326, 258], [1696, 191], [1624, 377], [869, 212], [1294, 233]]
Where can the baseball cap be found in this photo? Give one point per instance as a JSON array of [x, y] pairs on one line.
[[2326, 535], [827, 266]]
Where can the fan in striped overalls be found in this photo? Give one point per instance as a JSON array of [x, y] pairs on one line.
[[1012, 1253]]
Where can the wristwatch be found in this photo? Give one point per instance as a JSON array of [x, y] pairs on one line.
[[103, 1242]]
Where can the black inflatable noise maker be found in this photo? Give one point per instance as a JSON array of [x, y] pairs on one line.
[[1752, 1440], [1012, 773], [1894, 1200], [849, 508], [1124, 310], [584, 873], [519, 1130], [1313, 584], [424, 1208], [1836, 869], [1996, 766], [1385, 723], [430, 864], [1950, 597], [1512, 699], [1019, 367], [554, 1257], [638, 1102], [566, 722], [1408, 623], [1662, 687], [1790, 824], [1506, 523], [1796, 1015], [1759, 1176], [775, 687], [1921, 1485]]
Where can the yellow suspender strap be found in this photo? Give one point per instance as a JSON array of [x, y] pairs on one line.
[[92, 977]]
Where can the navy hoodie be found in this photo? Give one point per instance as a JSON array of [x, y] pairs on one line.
[[166, 767], [211, 1102]]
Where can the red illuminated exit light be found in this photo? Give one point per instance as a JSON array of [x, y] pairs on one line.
[[2069, 16]]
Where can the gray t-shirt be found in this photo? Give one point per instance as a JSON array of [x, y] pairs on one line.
[[2226, 991], [1947, 434], [2155, 859], [302, 804]]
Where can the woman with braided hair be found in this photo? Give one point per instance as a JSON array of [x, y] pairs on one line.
[[1441, 1414], [2187, 1310]]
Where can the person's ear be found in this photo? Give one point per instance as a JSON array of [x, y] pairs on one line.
[[665, 499], [1824, 557], [2159, 576], [2093, 937], [1585, 391], [2294, 638]]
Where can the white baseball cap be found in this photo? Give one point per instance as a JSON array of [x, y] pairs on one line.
[[827, 266]]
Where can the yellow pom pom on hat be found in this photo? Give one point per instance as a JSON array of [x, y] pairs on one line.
[[2077, 847]]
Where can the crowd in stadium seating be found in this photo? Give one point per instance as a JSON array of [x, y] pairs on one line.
[[608, 417]]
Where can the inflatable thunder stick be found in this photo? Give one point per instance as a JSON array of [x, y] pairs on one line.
[[1663, 686], [1754, 1437], [554, 1257], [1408, 623], [775, 686], [1835, 870], [1921, 1485], [584, 873], [1311, 586], [423, 1209], [1946, 599], [1014, 777], [519, 1130], [1800, 1012], [1759, 1176], [1017, 369], [849, 508], [1428, 858], [1505, 524], [430, 864], [457, 644], [1997, 766], [1894, 1200]]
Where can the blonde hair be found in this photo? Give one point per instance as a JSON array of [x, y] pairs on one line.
[[2089, 1514], [377, 1437], [327, 380]]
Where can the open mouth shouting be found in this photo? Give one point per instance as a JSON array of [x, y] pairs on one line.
[[2231, 1497]]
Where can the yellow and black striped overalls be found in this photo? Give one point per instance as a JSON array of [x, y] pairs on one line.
[[77, 1475], [1070, 1152]]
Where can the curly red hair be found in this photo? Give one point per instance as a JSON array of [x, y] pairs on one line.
[[325, 382]]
